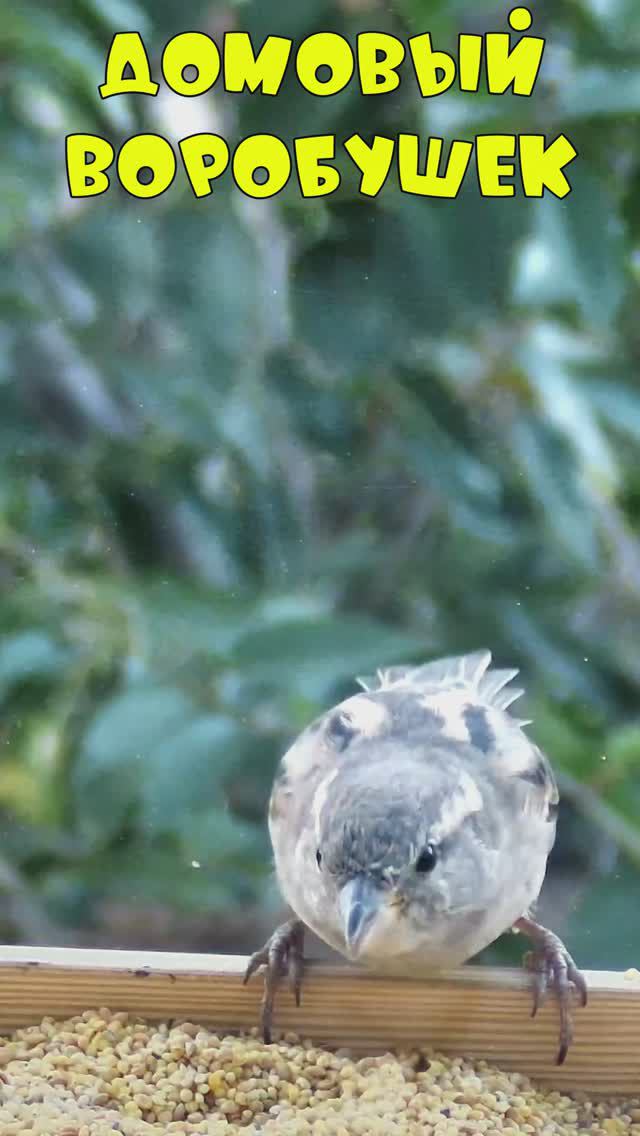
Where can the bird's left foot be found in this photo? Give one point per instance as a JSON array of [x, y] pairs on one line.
[[552, 965], [281, 955]]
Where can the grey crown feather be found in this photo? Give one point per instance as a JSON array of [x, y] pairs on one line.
[[467, 672]]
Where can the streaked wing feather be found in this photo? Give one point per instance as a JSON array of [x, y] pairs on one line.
[[539, 791]]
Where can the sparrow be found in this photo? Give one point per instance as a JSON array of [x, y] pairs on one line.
[[411, 826]]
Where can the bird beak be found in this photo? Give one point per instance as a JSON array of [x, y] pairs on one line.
[[359, 905]]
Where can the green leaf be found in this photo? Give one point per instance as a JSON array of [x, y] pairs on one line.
[[341, 292], [437, 456], [616, 22], [267, 17], [148, 876], [618, 406], [402, 269], [119, 15], [552, 479], [559, 737], [575, 253], [117, 755], [187, 770], [622, 749], [116, 244], [183, 621], [129, 728], [220, 842], [214, 286], [312, 656], [552, 360], [599, 92], [28, 656]]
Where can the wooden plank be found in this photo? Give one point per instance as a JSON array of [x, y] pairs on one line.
[[476, 1011]]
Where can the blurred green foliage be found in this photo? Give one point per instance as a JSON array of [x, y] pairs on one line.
[[249, 450]]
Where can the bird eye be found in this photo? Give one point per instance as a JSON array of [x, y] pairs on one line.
[[427, 859], [319, 858], [342, 729]]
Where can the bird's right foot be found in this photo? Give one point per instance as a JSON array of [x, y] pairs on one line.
[[281, 955]]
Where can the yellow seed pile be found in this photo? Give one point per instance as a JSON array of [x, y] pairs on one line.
[[105, 1073]]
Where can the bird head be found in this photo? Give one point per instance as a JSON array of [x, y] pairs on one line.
[[399, 847], [415, 819]]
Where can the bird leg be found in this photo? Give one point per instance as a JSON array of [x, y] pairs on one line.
[[551, 964], [282, 955]]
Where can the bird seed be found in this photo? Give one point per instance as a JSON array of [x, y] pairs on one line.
[[103, 1073]]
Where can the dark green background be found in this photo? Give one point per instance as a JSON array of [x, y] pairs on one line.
[[248, 450]]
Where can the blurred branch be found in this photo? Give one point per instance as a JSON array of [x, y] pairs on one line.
[[65, 386]]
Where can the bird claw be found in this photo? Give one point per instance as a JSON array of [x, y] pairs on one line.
[[552, 966], [281, 955]]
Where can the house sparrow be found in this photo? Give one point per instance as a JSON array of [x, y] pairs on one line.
[[411, 827]]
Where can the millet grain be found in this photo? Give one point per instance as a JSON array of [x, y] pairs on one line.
[[103, 1073]]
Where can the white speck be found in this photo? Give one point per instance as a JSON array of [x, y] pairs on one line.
[[586, 658], [196, 864], [603, 757]]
